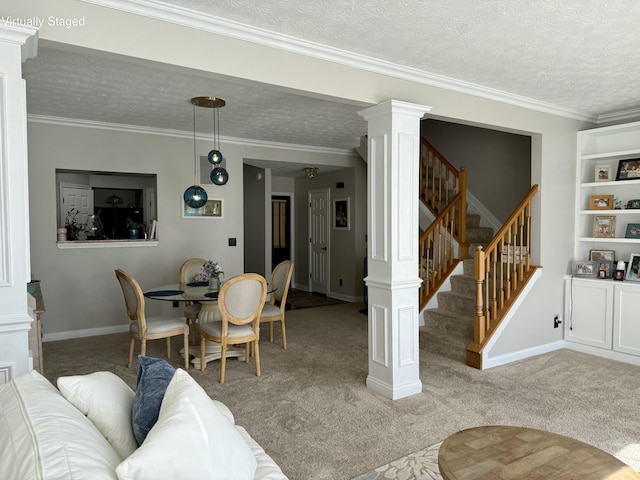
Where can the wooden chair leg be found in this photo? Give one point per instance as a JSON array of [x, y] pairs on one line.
[[202, 347], [132, 344], [270, 332], [168, 347], [284, 335], [257, 355], [186, 350], [143, 347], [223, 361], [247, 351]]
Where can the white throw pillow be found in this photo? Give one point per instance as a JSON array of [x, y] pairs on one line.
[[43, 436], [107, 401], [190, 440]]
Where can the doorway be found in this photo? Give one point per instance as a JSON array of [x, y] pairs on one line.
[[319, 240], [280, 229]]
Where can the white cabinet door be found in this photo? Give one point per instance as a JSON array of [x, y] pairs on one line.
[[589, 312], [626, 318]]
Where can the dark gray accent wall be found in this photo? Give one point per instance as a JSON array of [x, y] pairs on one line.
[[498, 164]]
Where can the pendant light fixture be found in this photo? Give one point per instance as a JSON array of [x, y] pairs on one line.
[[219, 175], [195, 196]]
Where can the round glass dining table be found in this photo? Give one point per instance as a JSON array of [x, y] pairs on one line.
[[198, 292]]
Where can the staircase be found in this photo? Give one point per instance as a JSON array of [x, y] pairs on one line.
[[482, 297], [448, 329]]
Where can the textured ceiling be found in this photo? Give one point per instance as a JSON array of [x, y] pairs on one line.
[[579, 56]]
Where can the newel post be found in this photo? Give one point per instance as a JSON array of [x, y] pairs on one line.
[[479, 324]]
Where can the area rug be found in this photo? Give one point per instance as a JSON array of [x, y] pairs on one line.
[[298, 299], [420, 465]]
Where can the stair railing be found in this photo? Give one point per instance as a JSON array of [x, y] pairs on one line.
[[437, 250], [443, 190], [501, 272]]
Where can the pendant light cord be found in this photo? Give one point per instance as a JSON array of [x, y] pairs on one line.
[[195, 158]]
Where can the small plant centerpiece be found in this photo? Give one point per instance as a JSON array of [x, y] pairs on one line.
[[213, 271], [134, 228], [75, 229]]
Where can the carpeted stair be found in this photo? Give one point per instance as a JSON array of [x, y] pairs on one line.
[[448, 329]]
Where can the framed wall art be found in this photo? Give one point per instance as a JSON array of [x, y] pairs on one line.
[[629, 169], [211, 209], [601, 202], [604, 226], [603, 173], [341, 216], [633, 269]]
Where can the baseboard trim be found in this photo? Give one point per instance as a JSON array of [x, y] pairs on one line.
[[521, 354], [601, 352], [388, 391], [87, 332]]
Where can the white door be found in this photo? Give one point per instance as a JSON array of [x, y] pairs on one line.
[[78, 197], [319, 240]]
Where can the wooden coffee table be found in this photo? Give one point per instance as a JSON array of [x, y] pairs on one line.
[[502, 452]]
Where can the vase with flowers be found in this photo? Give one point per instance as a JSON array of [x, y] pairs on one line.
[[214, 271]]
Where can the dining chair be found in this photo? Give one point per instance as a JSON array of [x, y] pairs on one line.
[[152, 328], [240, 301], [273, 310], [188, 271]]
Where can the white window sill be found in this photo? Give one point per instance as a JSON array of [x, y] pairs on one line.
[[74, 244]]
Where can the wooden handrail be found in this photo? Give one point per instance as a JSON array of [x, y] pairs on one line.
[[437, 251], [501, 271], [443, 191]]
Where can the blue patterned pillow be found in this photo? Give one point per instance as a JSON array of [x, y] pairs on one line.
[[154, 375]]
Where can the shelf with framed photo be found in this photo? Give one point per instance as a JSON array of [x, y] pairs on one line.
[[607, 185]]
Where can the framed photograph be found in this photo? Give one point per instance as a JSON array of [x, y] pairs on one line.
[[211, 209], [629, 169], [341, 217], [585, 269], [601, 202], [604, 226], [633, 269], [605, 269], [603, 173], [597, 255], [633, 230]]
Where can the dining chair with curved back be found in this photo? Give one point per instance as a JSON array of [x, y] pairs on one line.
[[240, 301], [272, 312], [151, 328], [188, 271]]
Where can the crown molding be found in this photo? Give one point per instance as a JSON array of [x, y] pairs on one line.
[[623, 116], [156, 10], [26, 36], [78, 123]]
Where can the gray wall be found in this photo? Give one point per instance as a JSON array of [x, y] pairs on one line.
[[498, 164], [347, 247], [81, 294]]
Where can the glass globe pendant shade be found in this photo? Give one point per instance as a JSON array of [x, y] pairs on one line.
[[219, 176], [215, 157], [195, 196]]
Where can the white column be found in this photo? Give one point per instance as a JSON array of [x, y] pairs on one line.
[[17, 43], [393, 230]]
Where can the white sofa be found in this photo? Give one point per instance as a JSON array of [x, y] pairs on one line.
[[83, 431]]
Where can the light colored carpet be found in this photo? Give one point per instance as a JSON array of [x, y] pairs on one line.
[[312, 412]]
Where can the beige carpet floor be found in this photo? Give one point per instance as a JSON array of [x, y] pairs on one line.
[[312, 412]]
